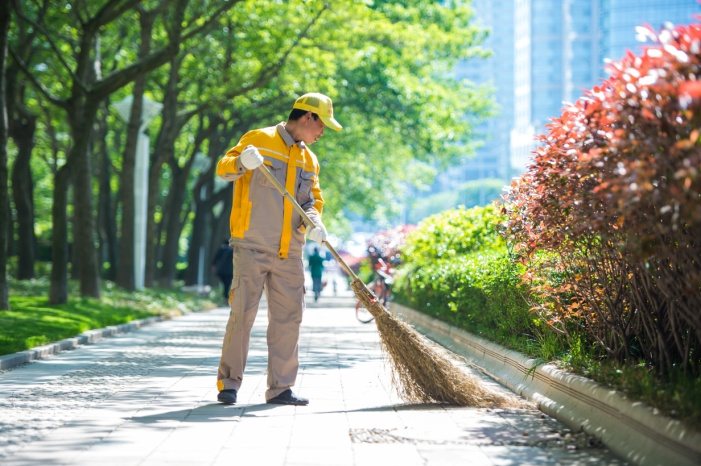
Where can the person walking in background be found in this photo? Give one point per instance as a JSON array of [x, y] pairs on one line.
[[268, 238], [316, 269], [223, 267]]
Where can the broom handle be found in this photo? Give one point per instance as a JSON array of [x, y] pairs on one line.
[[307, 221]]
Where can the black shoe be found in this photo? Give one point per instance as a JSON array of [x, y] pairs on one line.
[[228, 397], [288, 398]]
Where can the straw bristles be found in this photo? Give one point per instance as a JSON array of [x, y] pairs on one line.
[[421, 372]]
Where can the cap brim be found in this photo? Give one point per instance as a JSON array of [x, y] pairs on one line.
[[331, 123]]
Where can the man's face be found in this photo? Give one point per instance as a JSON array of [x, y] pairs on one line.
[[312, 129]]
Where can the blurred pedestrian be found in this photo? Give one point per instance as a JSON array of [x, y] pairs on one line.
[[223, 267], [316, 269]]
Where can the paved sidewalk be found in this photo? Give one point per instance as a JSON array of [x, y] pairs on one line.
[[149, 398]]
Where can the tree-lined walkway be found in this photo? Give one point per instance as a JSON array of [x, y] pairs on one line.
[[149, 397]]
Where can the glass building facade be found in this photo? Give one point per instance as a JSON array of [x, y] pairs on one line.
[[619, 18], [547, 53], [497, 72]]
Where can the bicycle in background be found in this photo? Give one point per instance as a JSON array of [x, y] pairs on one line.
[[381, 287]]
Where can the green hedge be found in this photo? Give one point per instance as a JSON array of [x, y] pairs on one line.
[[453, 233], [457, 268]]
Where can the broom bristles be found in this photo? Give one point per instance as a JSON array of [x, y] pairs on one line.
[[420, 371]]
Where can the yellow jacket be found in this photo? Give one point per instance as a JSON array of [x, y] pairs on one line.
[[261, 218]]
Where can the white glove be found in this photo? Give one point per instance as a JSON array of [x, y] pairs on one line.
[[318, 234], [251, 158]]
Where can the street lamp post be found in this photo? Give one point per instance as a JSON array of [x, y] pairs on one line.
[[149, 110]]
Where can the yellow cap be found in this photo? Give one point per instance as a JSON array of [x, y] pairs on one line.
[[321, 105]]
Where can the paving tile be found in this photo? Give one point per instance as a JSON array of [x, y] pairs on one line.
[[452, 455], [387, 455], [148, 398], [321, 455], [269, 456]]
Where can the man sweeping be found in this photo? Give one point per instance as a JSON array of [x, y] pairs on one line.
[[268, 238]]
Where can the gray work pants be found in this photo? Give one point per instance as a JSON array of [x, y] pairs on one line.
[[284, 286]]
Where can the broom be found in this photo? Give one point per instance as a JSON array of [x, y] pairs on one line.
[[421, 372]]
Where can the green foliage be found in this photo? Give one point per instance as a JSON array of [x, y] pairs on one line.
[[469, 194], [676, 396], [385, 64], [397, 107], [455, 233], [366, 272], [457, 268], [476, 291]]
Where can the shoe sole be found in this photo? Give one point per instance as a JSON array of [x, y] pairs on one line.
[[226, 401], [288, 403]]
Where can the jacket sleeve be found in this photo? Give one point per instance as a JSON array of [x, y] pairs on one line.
[[314, 207], [229, 167]]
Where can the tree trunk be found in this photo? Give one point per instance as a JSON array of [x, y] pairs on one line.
[[207, 231], [58, 290], [125, 277], [173, 219], [106, 214], [176, 215], [88, 90], [219, 225], [84, 226], [5, 10], [23, 130], [198, 251]]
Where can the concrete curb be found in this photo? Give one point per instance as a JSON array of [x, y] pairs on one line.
[[632, 430], [12, 360]]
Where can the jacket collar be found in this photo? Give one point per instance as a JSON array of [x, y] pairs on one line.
[[287, 138]]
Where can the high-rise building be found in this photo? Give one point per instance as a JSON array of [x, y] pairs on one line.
[[547, 53], [557, 41], [619, 18], [496, 72]]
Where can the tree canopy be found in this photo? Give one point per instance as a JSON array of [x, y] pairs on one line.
[[219, 68]]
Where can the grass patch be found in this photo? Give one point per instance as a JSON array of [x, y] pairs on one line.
[[32, 322], [677, 397]]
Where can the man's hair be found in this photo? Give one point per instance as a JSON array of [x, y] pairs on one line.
[[298, 113]]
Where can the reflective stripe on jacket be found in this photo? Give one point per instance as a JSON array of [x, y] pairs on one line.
[[261, 219]]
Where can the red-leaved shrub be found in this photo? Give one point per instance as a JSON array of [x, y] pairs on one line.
[[608, 216]]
